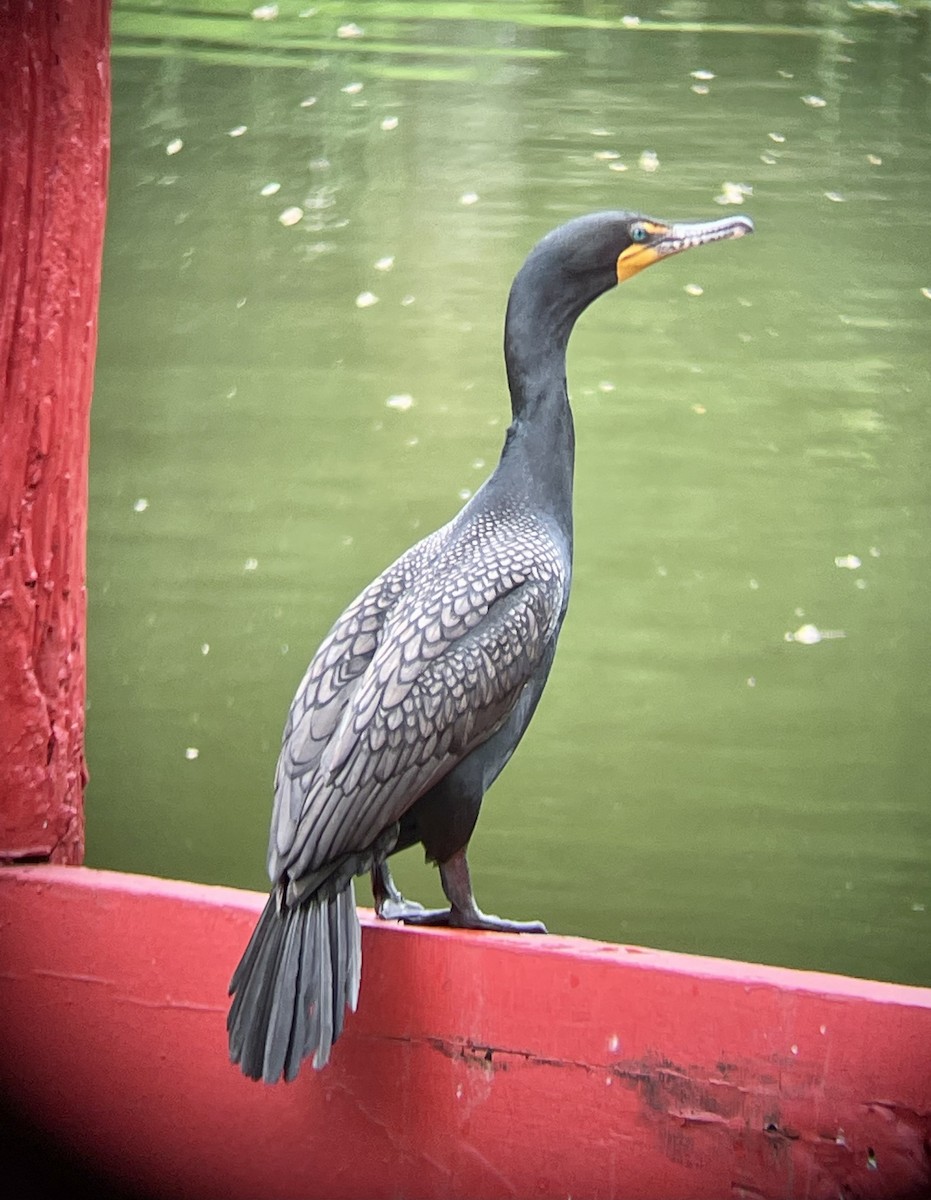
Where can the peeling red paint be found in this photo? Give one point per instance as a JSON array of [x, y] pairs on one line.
[[54, 96], [478, 1065]]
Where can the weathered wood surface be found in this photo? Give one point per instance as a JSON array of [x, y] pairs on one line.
[[478, 1065], [54, 140]]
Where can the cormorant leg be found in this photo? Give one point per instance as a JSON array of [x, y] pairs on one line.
[[465, 913], [392, 906]]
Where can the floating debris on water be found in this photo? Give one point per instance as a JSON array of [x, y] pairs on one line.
[[174, 146], [291, 216], [251, 564], [814, 101], [402, 401], [366, 299], [778, 138], [350, 30], [769, 159], [141, 504], [849, 562], [701, 89], [630, 22], [606, 155], [191, 753], [733, 193], [384, 264], [352, 89], [265, 12], [699, 410], [270, 189], [703, 75], [205, 648], [694, 289], [648, 161], [617, 166], [237, 131], [468, 198], [309, 102], [874, 160], [926, 292], [835, 196], [811, 635], [389, 123]]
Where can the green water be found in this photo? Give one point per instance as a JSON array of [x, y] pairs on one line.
[[753, 442]]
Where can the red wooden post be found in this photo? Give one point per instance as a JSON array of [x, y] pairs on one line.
[[54, 146]]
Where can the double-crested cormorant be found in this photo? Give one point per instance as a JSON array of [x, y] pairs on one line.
[[424, 686]]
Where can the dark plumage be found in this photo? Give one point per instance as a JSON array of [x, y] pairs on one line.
[[424, 686]]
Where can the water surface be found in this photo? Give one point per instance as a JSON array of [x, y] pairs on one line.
[[732, 754]]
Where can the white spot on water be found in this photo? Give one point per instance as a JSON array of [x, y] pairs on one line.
[[205, 648], [251, 564], [191, 753], [402, 402], [350, 30], [265, 12], [468, 198], [703, 75], [291, 216], [237, 130], [141, 504], [733, 193], [811, 635], [814, 101], [309, 102], [389, 123], [270, 189], [352, 89], [694, 289], [174, 146], [366, 299], [384, 264], [648, 161]]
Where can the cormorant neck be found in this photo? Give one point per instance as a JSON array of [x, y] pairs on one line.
[[545, 302]]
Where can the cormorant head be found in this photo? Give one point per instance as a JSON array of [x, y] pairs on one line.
[[594, 252], [576, 263]]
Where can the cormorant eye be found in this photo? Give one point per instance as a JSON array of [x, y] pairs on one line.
[[638, 233]]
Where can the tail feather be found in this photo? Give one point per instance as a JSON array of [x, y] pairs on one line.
[[298, 974]]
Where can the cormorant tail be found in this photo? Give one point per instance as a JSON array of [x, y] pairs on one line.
[[290, 991]]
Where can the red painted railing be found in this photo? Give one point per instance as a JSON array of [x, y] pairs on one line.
[[477, 1066]]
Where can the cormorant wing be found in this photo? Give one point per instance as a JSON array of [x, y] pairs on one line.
[[451, 660]]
